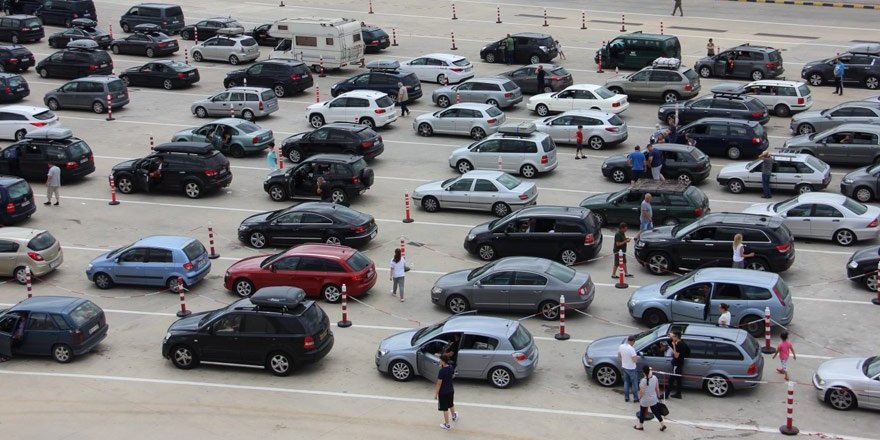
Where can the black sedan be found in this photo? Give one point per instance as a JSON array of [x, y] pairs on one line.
[[682, 162], [168, 74], [308, 222], [149, 43], [720, 105], [59, 40], [340, 137], [261, 34], [209, 28], [862, 267]]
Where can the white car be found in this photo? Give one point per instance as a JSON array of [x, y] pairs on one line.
[[366, 107], [578, 97], [17, 120], [442, 68]]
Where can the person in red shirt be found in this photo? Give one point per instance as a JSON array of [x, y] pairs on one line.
[[784, 349], [579, 138]]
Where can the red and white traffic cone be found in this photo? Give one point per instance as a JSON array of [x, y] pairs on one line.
[[661, 28], [213, 255], [110, 108], [767, 349], [110, 32], [545, 19], [457, 98], [622, 22], [196, 35], [562, 335], [454, 17], [500, 164], [406, 206], [152, 145], [27, 281], [876, 300], [186, 56], [393, 37], [402, 246], [322, 74], [318, 93], [788, 428], [371, 7], [279, 158], [583, 19], [181, 289], [498, 14], [453, 42], [345, 323], [621, 271], [113, 200]]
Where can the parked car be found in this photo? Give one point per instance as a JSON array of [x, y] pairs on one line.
[[168, 17], [148, 40], [466, 119], [684, 163], [567, 234], [82, 58], [319, 269], [847, 383], [783, 97], [308, 222], [825, 216], [348, 177], [861, 67], [23, 248], [498, 92], [17, 197], [734, 138], [708, 242], [801, 173], [494, 349], [15, 58], [375, 39], [234, 49], [57, 326], [722, 359], [244, 137], [515, 284], [83, 29], [285, 77], [13, 88], [600, 128], [157, 260], [862, 184], [89, 93], [556, 78], [340, 137], [749, 61], [261, 34], [852, 112], [367, 107], [168, 74], [21, 28], [637, 49], [674, 202], [514, 149], [730, 105], [206, 29], [528, 48], [66, 12], [281, 328], [493, 191], [578, 97], [665, 79], [246, 102], [46, 145], [862, 267], [384, 77], [194, 168], [442, 68], [856, 144]]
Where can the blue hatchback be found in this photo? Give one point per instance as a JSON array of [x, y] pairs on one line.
[[157, 260]]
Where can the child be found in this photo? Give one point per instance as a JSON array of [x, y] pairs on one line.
[[579, 140], [783, 350], [559, 49]]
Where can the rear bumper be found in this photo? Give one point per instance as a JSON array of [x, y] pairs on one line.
[[360, 240], [92, 342], [319, 353]]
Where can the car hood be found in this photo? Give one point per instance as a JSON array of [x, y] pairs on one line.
[[871, 253], [425, 117], [841, 369], [185, 132], [190, 323], [596, 200], [657, 234], [257, 218], [801, 139], [649, 292], [249, 263], [542, 96], [277, 173], [760, 208], [133, 69], [398, 341], [237, 72], [542, 123], [318, 105], [127, 165], [857, 173], [453, 279], [100, 258], [445, 89], [615, 159], [734, 169], [434, 186], [672, 106], [606, 346], [482, 228], [295, 138], [803, 116], [460, 151], [617, 79]]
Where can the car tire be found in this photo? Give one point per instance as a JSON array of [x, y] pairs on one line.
[[477, 133], [167, 84], [803, 188], [685, 179], [393, 96], [258, 240], [863, 194], [616, 90], [500, 209], [549, 310], [841, 399], [248, 115], [316, 120], [757, 75], [430, 204], [528, 171], [534, 58], [229, 83], [457, 304], [670, 97], [618, 175], [463, 166], [442, 79], [542, 110], [568, 257], [758, 264], [98, 107], [659, 263], [279, 90], [193, 188], [493, 103], [596, 143], [115, 49], [734, 152], [805, 129], [816, 79], [150, 52], [425, 129], [243, 287], [490, 58], [717, 385], [331, 293], [339, 196], [172, 284], [197, 56], [654, 317], [368, 122], [333, 239], [233, 60], [295, 155], [62, 353], [236, 151], [43, 73], [279, 364], [20, 134], [20, 275], [501, 377], [601, 220], [486, 252], [782, 111], [201, 112], [870, 281], [184, 357], [443, 101], [277, 193], [606, 375], [705, 71], [125, 183], [103, 281], [872, 82], [186, 35], [400, 370], [753, 324], [844, 237], [126, 28], [125, 80]]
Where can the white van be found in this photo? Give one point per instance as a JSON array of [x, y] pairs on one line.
[[337, 40]]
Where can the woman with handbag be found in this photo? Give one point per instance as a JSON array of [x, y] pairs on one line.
[[398, 271], [649, 389]]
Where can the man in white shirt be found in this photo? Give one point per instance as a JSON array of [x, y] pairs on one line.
[[628, 361], [53, 182], [724, 319]]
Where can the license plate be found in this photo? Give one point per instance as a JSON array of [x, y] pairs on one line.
[[121, 96], [104, 65], [192, 74], [84, 160], [26, 203], [20, 89], [94, 329], [373, 235], [323, 334]]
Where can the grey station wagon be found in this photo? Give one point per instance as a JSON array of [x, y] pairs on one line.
[[499, 92], [856, 144]]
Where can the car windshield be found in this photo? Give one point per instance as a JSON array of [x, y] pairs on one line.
[[615, 121], [115, 86], [478, 272], [804, 90], [683, 229], [41, 242], [521, 338], [462, 62], [873, 169], [267, 95], [31, 22], [247, 127], [358, 166], [494, 112], [759, 131], [271, 259], [194, 250], [560, 71], [79, 150], [698, 154], [44, 116], [750, 345], [751, 164], [178, 66], [117, 250], [817, 164], [690, 75], [18, 189], [358, 261], [872, 366], [677, 283], [854, 206], [210, 315], [604, 93], [84, 313], [560, 272], [646, 337], [509, 86], [426, 333], [247, 42], [501, 220], [348, 215], [385, 102], [786, 205], [508, 181]]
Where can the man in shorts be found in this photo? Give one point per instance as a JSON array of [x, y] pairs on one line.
[[444, 392], [646, 216]]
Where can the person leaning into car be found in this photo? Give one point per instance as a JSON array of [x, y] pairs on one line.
[[323, 189]]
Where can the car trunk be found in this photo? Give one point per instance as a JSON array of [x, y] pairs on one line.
[[269, 100], [21, 198], [316, 324], [46, 247], [88, 322], [364, 173], [215, 161], [196, 254]]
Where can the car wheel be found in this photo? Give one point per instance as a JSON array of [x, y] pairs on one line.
[[616, 90], [528, 171], [844, 237], [247, 114], [237, 151], [782, 110], [490, 57], [815, 79], [670, 97], [757, 75], [425, 129], [804, 188], [501, 377], [103, 281], [753, 324], [243, 287], [600, 218], [596, 143], [736, 186], [659, 264], [150, 52], [233, 60], [279, 364], [333, 239], [549, 310], [871, 282], [339, 196], [542, 110], [618, 175], [863, 194], [185, 35], [184, 357], [457, 304], [257, 240], [173, 284], [401, 371], [62, 353], [757, 264], [126, 28], [21, 275], [98, 107], [277, 193], [568, 257], [125, 80], [500, 209], [368, 122], [331, 293], [430, 204], [115, 49], [705, 71], [670, 119], [841, 399], [197, 56], [654, 317], [229, 83], [125, 184], [167, 84], [43, 73], [805, 129], [606, 375], [20, 134], [493, 103], [393, 96], [717, 385], [201, 112], [279, 90], [193, 189], [486, 252], [443, 102], [534, 59], [734, 153], [477, 133], [685, 179], [442, 79], [316, 120], [464, 166], [872, 82]]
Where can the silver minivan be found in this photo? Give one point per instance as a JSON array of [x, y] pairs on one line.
[[516, 148], [499, 92], [247, 102]]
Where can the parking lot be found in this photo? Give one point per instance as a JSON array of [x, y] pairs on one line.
[[127, 389]]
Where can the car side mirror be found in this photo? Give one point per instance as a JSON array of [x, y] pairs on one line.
[[478, 284], [448, 188], [783, 215]]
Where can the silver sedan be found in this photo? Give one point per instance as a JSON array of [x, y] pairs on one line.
[[861, 112], [847, 383], [480, 190], [466, 119], [601, 129]]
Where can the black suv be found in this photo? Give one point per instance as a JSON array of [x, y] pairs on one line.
[[192, 167], [720, 105], [375, 39], [685, 163], [673, 203], [733, 138], [528, 48], [744, 61], [708, 242], [146, 40], [83, 29], [861, 66], [277, 326], [16, 58], [342, 137], [65, 12], [17, 198], [285, 77], [44, 146], [209, 28], [21, 29], [13, 87], [81, 58], [567, 234], [348, 177], [383, 77]]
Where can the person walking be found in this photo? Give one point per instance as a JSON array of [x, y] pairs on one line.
[[649, 394], [628, 362], [620, 242], [724, 319], [402, 99], [53, 183], [579, 140], [541, 74], [680, 352], [678, 7], [710, 48], [271, 159], [559, 49], [636, 161], [655, 160], [508, 49], [766, 172], [646, 215], [444, 392], [839, 69], [784, 350], [739, 252], [397, 273]]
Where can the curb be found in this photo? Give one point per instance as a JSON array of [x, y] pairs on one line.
[[812, 3]]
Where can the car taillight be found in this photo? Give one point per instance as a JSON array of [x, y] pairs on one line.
[[520, 356], [757, 114], [38, 124], [308, 343], [188, 265], [874, 223], [588, 239], [779, 296], [756, 140], [375, 42], [492, 121], [7, 90], [181, 75], [35, 256], [295, 77], [164, 23], [456, 69], [701, 166], [615, 104], [13, 61], [523, 196], [582, 291], [508, 95], [24, 29], [91, 156], [163, 44], [262, 106], [545, 159], [771, 65], [255, 139], [93, 67], [753, 369], [10, 208], [783, 247], [210, 173], [75, 15], [698, 211], [612, 129], [367, 144], [358, 229], [71, 165], [801, 101], [77, 337], [555, 78], [379, 111], [355, 180], [688, 87]]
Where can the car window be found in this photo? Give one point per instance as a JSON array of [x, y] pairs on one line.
[[727, 291], [727, 352], [854, 206], [702, 103], [521, 338], [717, 130], [462, 185], [358, 262], [641, 75], [508, 181], [800, 211], [136, 255], [84, 313], [695, 293], [820, 210], [864, 138], [333, 266], [383, 102], [498, 279], [560, 272], [584, 94], [194, 250], [485, 185], [286, 263], [60, 322], [842, 112], [802, 168], [310, 217], [311, 264], [254, 323], [489, 146], [160, 256], [701, 349], [754, 236], [228, 324], [478, 342], [530, 279], [40, 322], [753, 293]]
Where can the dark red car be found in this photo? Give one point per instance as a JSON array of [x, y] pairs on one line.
[[318, 269]]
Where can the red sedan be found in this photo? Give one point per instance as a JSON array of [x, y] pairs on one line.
[[318, 269]]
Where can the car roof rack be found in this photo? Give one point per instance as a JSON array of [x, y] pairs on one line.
[[384, 65], [870, 48], [52, 134], [285, 298], [666, 63], [522, 129], [87, 45], [87, 23], [147, 28], [659, 185]]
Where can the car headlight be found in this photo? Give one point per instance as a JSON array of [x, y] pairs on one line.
[[167, 337], [632, 303], [471, 237], [382, 352], [589, 360], [604, 165], [266, 182], [242, 227], [640, 244], [89, 267], [852, 265], [544, 48], [848, 180], [483, 48], [820, 381], [436, 290]]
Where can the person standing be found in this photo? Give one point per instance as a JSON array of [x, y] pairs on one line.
[[678, 7], [649, 393], [620, 241], [323, 189], [710, 48], [271, 159], [559, 49], [729, 65], [444, 392], [508, 49], [636, 161], [13, 157], [766, 173], [540, 73], [579, 140], [680, 352], [724, 319], [402, 99], [397, 273], [784, 349], [646, 215], [53, 183], [739, 252], [655, 160], [628, 360], [839, 69]]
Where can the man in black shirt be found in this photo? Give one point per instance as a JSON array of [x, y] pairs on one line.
[[620, 241], [680, 352], [444, 392], [541, 74]]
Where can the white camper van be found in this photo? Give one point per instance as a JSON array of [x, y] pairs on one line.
[[337, 40]]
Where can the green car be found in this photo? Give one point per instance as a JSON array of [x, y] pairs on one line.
[[244, 137], [672, 203], [637, 49]]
